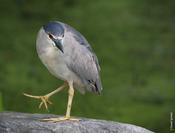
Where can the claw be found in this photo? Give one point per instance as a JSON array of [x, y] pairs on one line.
[[59, 119], [44, 100]]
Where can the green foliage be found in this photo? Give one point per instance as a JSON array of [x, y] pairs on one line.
[[134, 41], [1, 106]]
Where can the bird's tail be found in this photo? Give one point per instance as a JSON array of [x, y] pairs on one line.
[[95, 87], [98, 86]]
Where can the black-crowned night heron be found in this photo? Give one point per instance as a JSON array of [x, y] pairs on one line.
[[68, 56]]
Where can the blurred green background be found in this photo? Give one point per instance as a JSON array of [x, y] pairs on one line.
[[134, 41]]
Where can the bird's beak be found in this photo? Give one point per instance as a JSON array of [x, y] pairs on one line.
[[58, 43]]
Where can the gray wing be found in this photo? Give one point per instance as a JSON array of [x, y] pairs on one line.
[[84, 63]]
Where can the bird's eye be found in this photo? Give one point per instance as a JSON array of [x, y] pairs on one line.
[[50, 36], [62, 35]]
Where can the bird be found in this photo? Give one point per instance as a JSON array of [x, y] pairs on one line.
[[68, 56]]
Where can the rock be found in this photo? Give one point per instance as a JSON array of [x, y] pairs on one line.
[[11, 122]]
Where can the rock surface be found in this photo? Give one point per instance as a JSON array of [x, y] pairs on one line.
[[11, 122]]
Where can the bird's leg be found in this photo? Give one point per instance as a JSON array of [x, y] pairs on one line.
[[69, 105], [45, 99], [70, 99]]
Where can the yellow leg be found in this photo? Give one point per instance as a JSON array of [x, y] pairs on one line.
[[70, 99], [69, 105], [45, 99]]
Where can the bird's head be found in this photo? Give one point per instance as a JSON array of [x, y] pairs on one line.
[[55, 34]]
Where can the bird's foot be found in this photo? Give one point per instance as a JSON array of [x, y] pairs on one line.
[[60, 119], [44, 100]]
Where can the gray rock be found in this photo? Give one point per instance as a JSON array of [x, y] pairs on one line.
[[11, 122]]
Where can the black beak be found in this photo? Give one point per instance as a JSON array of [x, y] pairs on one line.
[[58, 44]]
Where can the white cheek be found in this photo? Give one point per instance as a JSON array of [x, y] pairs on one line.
[[53, 44], [50, 42], [62, 41]]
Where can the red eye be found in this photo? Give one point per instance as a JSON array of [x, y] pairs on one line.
[[50, 36]]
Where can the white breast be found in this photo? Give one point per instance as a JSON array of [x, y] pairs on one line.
[[52, 59]]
